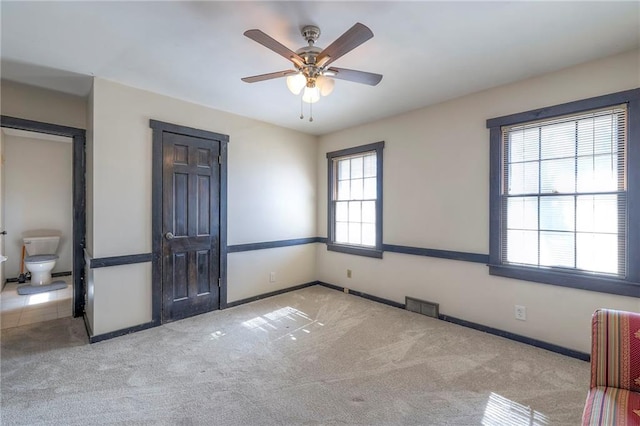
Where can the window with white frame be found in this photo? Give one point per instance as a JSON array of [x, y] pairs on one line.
[[563, 201], [355, 200]]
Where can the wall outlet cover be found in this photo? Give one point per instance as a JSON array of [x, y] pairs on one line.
[[521, 312]]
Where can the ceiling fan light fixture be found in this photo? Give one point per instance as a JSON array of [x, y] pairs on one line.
[[296, 82], [311, 95], [325, 85]]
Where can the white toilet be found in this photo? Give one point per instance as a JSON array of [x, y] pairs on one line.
[[41, 259]]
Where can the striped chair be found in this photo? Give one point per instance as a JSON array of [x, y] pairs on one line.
[[614, 397]]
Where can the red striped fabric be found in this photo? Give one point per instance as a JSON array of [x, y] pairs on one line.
[[614, 398], [615, 351], [611, 406]]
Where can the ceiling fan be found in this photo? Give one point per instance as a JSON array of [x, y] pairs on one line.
[[313, 72]]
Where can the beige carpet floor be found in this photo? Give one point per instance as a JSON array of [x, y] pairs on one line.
[[313, 356]]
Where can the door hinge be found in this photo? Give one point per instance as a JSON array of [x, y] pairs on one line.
[[219, 282], [219, 159]]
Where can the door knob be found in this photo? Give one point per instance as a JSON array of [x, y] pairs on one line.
[[3, 233], [168, 236]]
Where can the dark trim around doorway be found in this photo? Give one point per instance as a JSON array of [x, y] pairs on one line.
[[79, 195], [159, 128]]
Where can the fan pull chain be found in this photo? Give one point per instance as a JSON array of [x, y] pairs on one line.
[[310, 112], [301, 115]]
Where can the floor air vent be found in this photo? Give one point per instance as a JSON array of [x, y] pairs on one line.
[[423, 307]]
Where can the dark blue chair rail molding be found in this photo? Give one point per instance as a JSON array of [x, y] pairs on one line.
[[237, 248], [443, 254], [103, 262], [416, 251], [429, 252], [120, 260]]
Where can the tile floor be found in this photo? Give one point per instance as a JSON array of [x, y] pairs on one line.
[[17, 310]]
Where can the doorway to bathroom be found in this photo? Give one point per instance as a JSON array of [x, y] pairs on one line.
[[49, 142]]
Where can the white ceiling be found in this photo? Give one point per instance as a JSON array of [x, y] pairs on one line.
[[427, 51]]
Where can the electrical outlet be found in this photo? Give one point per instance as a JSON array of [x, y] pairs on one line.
[[348, 273], [272, 277], [521, 313]]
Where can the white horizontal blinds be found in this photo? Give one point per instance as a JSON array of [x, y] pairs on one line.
[[355, 198], [564, 192]]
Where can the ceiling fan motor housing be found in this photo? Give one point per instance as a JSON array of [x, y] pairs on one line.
[[311, 34], [310, 53]]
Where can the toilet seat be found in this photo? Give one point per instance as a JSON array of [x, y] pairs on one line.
[[38, 258]]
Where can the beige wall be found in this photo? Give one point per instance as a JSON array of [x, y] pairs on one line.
[[37, 196], [292, 266], [430, 203], [48, 106], [271, 196]]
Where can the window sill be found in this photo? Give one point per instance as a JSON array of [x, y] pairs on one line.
[[358, 251], [577, 280]]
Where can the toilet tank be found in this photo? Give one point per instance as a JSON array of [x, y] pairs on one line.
[[47, 244]]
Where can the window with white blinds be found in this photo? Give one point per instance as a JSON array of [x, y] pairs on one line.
[[355, 200], [563, 195]]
